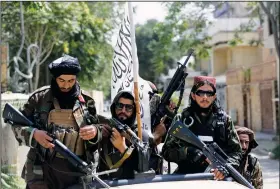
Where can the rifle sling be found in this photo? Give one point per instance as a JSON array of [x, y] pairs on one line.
[[126, 155]]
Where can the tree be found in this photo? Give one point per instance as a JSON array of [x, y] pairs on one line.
[[146, 37], [272, 11], [182, 29], [82, 29]]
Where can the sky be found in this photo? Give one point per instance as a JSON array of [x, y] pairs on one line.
[[148, 10], [144, 12]]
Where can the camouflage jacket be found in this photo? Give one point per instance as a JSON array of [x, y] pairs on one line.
[[41, 103], [250, 168], [175, 150]]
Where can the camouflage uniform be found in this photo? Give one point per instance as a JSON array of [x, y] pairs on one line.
[[41, 103], [252, 172], [250, 166], [176, 150]]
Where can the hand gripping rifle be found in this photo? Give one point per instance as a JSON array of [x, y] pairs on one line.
[[126, 132], [143, 146], [15, 117], [177, 82], [213, 152]]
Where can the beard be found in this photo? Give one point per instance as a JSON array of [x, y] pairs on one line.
[[245, 153], [199, 109], [124, 119]]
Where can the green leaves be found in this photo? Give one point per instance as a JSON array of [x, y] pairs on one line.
[[81, 29]]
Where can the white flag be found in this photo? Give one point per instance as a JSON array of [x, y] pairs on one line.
[[122, 73]]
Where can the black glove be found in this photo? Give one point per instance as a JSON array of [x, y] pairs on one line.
[[195, 155]]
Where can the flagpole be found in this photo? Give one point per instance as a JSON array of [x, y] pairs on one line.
[[135, 71]]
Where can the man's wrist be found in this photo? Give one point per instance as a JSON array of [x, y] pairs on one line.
[[122, 149]]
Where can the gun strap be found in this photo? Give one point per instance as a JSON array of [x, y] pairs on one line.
[[181, 96], [126, 155]]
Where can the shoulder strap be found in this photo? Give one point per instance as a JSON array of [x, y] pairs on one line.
[[252, 161], [126, 155], [56, 104], [220, 124]]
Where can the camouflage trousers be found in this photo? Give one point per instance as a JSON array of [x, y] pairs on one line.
[[57, 174]]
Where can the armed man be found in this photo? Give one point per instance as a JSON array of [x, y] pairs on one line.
[[159, 130], [64, 110], [210, 123], [250, 166], [115, 151]]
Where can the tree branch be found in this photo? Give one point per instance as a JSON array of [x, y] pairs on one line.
[[273, 25], [48, 54]]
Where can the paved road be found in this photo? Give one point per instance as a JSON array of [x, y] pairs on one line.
[[270, 171]]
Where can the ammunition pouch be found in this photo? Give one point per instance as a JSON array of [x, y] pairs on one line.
[[65, 128], [70, 138]]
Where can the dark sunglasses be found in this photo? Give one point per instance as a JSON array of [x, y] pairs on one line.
[[128, 107], [202, 93]]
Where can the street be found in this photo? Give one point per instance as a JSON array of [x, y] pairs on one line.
[[270, 171]]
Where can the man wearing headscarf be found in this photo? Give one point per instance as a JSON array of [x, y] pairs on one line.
[[115, 150], [66, 111], [210, 123], [250, 166]]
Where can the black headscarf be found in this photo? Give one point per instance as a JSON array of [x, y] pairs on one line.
[[65, 65], [125, 94]]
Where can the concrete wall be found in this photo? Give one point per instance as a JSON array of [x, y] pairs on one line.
[[9, 154], [226, 58], [224, 36], [256, 120], [99, 100], [235, 101], [220, 61], [244, 56]]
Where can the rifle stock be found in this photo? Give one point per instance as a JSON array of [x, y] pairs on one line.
[[12, 116], [211, 151]]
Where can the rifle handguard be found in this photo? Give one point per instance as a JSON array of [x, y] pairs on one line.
[[223, 170]]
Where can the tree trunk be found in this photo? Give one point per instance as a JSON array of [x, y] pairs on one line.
[[37, 73]]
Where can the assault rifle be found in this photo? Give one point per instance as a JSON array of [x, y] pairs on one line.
[[15, 117], [213, 152], [177, 82], [143, 146], [126, 132]]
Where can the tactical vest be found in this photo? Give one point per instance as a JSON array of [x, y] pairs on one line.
[[216, 127], [66, 129]]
